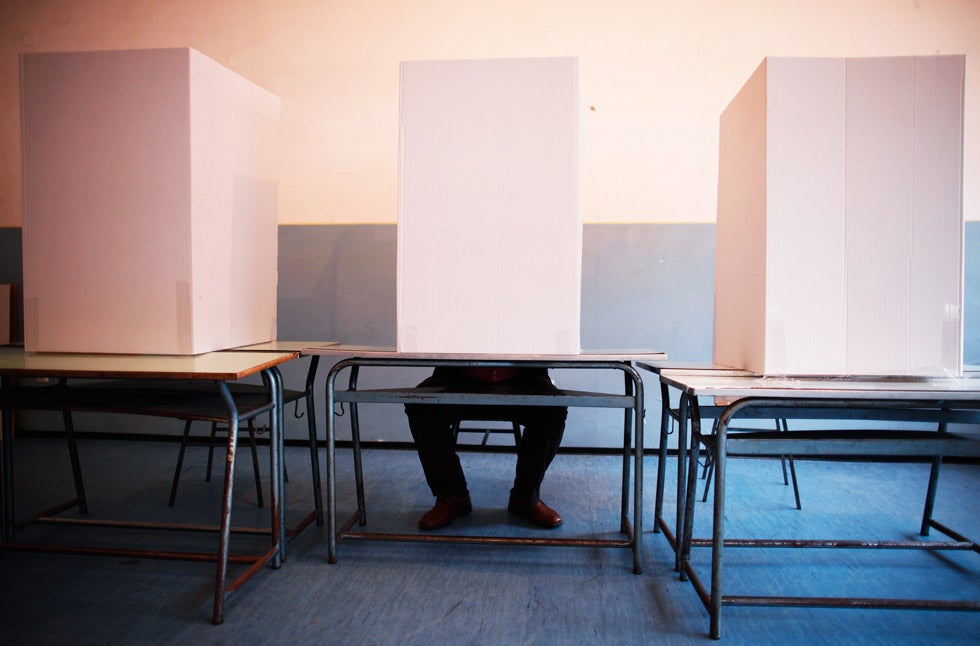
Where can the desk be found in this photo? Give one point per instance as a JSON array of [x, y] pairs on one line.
[[359, 357], [939, 401], [680, 415], [218, 367], [294, 395]]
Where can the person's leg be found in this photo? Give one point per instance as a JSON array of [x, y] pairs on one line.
[[431, 427], [432, 431], [543, 430]]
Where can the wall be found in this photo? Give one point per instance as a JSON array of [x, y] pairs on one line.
[[656, 75], [644, 285]]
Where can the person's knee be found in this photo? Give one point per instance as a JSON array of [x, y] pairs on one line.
[[552, 416]]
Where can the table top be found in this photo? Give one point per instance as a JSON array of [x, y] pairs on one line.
[[283, 346], [225, 366], [694, 367], [381, 352], [887, 388]]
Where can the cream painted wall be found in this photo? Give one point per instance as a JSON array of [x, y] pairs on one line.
[[656, 75]]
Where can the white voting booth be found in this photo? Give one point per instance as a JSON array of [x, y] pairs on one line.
[[150, 203], [839, 243], [489, 208]]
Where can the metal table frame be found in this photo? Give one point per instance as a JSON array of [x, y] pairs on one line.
[[217, 368], [307, 395], [679, 415], [631, 401], [935, 401]]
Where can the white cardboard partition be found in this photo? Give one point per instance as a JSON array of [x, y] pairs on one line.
[[489, 208], [840, 233], [150, 203]]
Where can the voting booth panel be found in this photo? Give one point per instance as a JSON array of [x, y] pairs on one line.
[[150, 203], [840, 235], [489, 207]]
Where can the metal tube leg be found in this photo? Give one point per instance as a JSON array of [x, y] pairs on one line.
[[331, 470], [658, 509], [224, 533], [180, 462], [638, 412], [931, 490], [796, 486], [686, 531], [682, 469], [277, 459], [783, 425], [709, 470], [314, 456], [7, 477], [355, 432], [627, 445], [255, 464], [214, 433], [76, 467], [718, 529]]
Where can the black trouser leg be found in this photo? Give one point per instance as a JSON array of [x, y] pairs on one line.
[[539, 445], [432, 431]]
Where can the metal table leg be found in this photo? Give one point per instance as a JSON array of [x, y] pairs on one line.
[[225, 529], [7, 477], [658, 509], [331, 469], [638, 415]]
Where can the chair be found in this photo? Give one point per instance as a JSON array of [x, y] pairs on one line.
[[515, 430], [288, 396], [250, 431], [672, 415], [781, 425]]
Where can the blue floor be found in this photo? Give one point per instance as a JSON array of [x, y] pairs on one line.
[[408, 593]]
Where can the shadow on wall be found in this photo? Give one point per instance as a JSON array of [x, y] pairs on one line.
[[971, 294], [337, 283], [11, 273], [643, 286]]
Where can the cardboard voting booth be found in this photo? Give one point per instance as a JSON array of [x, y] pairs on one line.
[[839, 244], [150, 203], [489, 207]]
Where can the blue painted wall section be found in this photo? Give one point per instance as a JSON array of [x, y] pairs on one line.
[[971, 294], [643, 286]]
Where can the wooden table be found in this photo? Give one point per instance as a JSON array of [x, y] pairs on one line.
[[155, 398]]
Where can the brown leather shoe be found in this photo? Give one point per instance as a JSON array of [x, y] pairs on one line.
[[446, 510], [539, 513]]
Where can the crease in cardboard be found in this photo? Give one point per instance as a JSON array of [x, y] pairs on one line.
[[185, 322], [31, 310]]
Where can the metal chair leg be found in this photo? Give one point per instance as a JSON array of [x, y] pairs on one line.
[[782, 425], [255, 464], [76, 465], [214, 432], [788, 478], [207, 474], [180, 462]]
